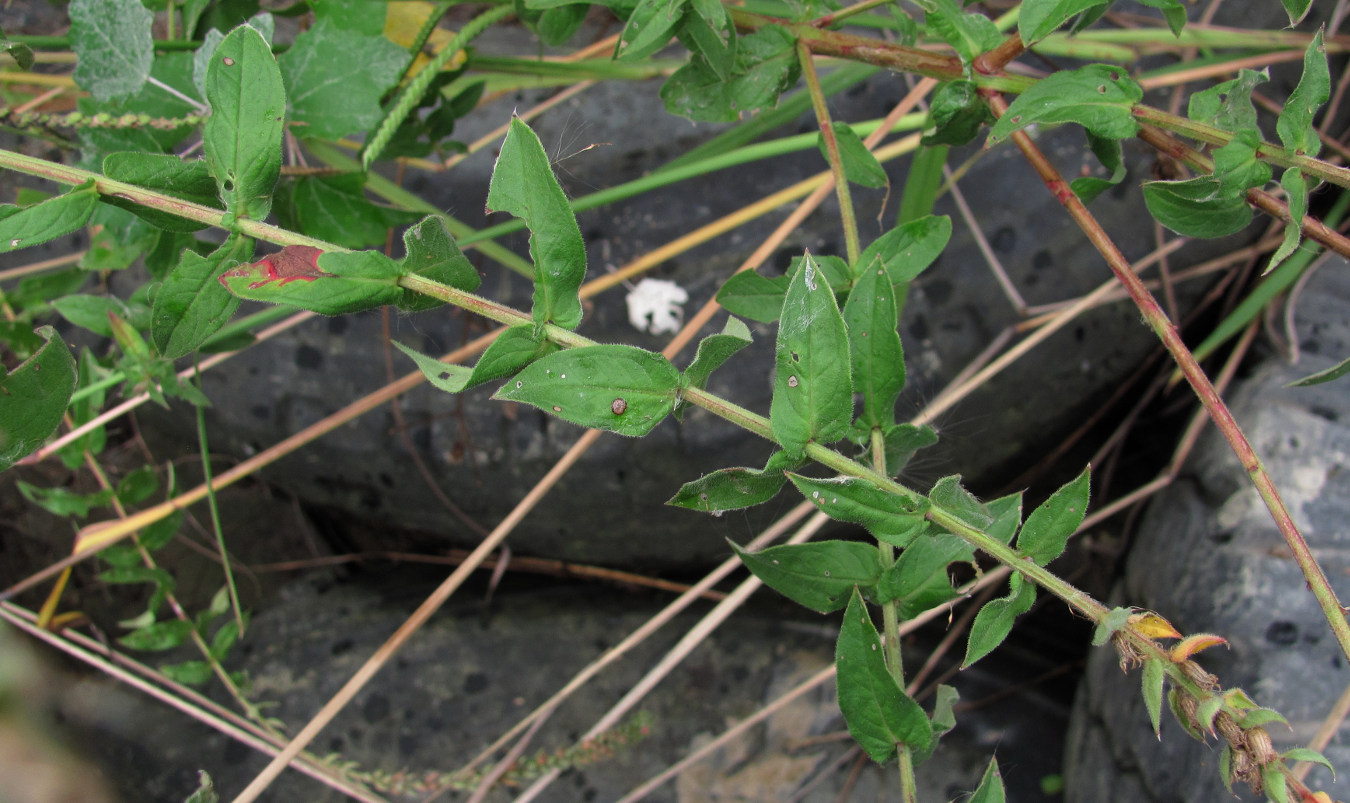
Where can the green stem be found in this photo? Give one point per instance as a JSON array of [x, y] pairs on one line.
[[849, 11], [832, 152], [1218, 137], [417, 87]]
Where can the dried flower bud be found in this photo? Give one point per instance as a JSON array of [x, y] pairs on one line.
[[1258, 741], [1197, 675]]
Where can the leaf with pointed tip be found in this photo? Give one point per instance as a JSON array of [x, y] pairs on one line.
[[1295, 123], [1153, 677], [889, 517], [990, 789], [877, 711], [329, 282], [1098, 97], [1296, 9], [511, 351], [956, 114], [1108, 152], [334, 208], [969, 34], [523, 185], [995, 620], [1007, 513], [1237, 166], [191, 304], [1047, 530], [901, 442], [735, 488], [813, 391], [818, 575], [617, 388], [1335, 372], [876, 356], [765, 66], [1174, 13], [649, 28], [909, 248], [242, 137], [1040, 18], [714, 350], [1296, 191]]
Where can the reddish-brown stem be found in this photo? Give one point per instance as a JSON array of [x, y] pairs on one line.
[[1158, 321], [995, 60]]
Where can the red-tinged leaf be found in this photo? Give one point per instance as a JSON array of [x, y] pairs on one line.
[[353, 281], [1193, 644]]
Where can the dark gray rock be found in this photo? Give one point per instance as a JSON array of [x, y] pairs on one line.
[[1209, 558]]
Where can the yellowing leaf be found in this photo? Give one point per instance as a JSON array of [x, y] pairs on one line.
[[1193, 644], [1152, 625], [404, 21]]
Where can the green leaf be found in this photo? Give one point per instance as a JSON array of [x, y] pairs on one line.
[[33, 397], [242, 137], [889, 517], [112, 44], [878, 712], [21, 53], [955, 116], [1115, 619], [765, 67], [335, 209], [819, 575], [138, 486], [1153, 677], [193, 673], [1047, 530], [1296, 190], [1197, 207], [969, 34], [117, 239], [990, 789], [64, 502], [511, 351], [189, 180], [812, 390], [192, 304], [1275, 783], [365, 17], [617, 388], [860, 165], [753, 296], [1237, 166], [924, 181], [1228, 105], [329, 283], [714, 43], [918, 580], [335, 79], [649, 28], [83, 409], [909, 248], [876, 357], [1296, 9], [1173, 12], [91, 312], [1098, 97], [995, 620], [949, 495], [714, 350], [1335, 372], [1295, 123], [159, 636], [56, 217], [1108, 152], [557, 25], [1040, 18], [735, 488], [433, 254], [1309, 755], [942, 720], [523, 184]]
